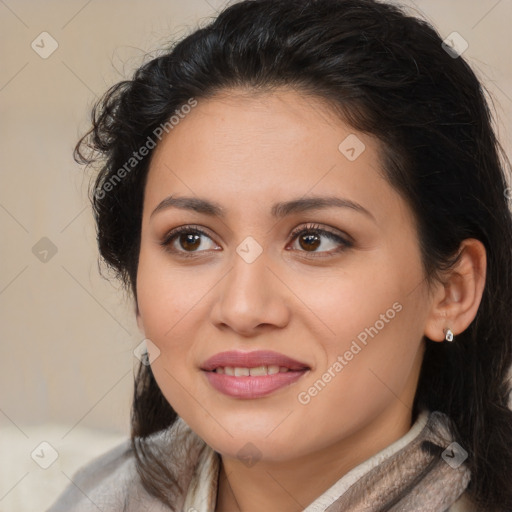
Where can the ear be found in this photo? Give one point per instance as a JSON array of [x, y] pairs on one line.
[[456, 299]]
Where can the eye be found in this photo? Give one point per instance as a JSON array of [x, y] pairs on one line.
[[188, 239], [312, 236]]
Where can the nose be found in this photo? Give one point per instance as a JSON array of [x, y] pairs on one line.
[[251, 298]]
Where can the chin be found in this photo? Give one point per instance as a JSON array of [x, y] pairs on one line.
[[258, 443]]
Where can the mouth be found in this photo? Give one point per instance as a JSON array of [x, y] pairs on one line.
[[250, 375], [257, 371]]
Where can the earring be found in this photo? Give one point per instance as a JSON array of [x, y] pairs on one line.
[[448, 335]]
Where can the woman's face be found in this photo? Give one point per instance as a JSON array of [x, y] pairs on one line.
[[307, 253]]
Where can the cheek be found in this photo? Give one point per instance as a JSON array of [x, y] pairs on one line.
[[166, 300], [368, 365], [375, 324], [362, 301], [170, 299], [165, 294]]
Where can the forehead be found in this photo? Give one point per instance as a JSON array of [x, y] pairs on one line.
[[242, 147]]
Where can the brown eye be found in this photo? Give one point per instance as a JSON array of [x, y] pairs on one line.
[[312, 237], [309, 242], [190, 241], [187, 240]]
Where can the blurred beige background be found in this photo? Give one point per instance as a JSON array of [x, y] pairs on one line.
[[67, 335]]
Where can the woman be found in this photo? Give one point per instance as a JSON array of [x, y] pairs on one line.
[[307, 201]]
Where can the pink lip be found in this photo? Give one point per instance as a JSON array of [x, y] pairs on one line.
[[251, 360], [252, 386]]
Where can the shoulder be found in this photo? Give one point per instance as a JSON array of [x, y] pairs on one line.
[[109, 483]]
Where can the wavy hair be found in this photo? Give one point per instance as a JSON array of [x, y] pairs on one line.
[[387, 74]]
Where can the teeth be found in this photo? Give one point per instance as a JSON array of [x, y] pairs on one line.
[[273, 369], [256, 371], [259, 370]]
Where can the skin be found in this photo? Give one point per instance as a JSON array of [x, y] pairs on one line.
[[247, 151]]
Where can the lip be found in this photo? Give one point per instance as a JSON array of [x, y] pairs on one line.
[[251, 360], [249, 387]]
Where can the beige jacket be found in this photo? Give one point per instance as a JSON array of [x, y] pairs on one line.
[[422, 472]]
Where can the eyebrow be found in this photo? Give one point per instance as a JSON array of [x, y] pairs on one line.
[[278, 210]]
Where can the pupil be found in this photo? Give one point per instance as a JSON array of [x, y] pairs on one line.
[[190, 241], [312, 241]]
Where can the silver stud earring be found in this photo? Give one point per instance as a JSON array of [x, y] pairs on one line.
[[448, 335]]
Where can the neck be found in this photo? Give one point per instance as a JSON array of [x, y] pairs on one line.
[[291, 485]]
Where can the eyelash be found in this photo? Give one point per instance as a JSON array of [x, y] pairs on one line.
[[307, 229]]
